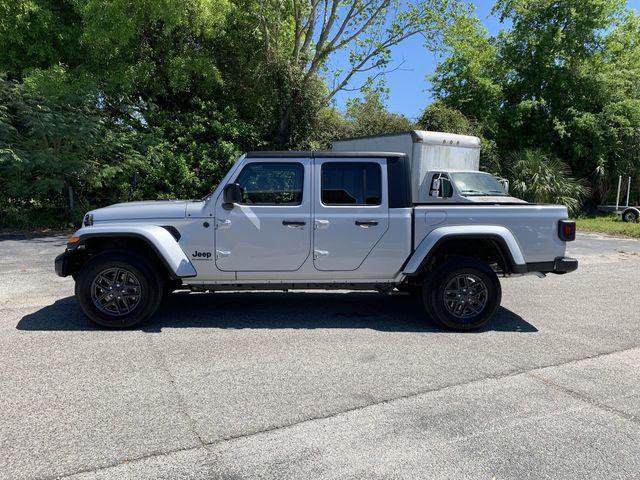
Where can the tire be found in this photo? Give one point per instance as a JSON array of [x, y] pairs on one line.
[[138, 300], [630, 215], [462, 294]]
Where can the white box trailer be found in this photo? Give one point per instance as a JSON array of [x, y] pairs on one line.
[[426, 151]]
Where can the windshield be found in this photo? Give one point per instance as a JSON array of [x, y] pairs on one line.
[[478, 184]]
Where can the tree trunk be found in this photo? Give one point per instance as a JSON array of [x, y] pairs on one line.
[[282, 136]]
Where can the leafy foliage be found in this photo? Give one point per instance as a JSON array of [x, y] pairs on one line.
[[303, 36], [537, 177], [369, 116], [125, 100], [564, 78], [52, 138], [120, 100]]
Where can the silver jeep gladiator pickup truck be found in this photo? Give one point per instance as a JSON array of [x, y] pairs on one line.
[[418, 217]]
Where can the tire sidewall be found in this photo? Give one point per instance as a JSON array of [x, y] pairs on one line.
[[630, 216], [150, 286], [434, 291]]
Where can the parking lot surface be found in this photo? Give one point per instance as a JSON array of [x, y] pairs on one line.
[[323, 385]]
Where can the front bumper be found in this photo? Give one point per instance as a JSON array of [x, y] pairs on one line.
[[63, 263]]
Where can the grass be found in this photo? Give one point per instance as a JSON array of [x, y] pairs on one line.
[[610, 225]]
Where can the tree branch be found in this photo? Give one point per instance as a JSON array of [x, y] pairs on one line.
[[394, 40], [364, 26], [311, 25]]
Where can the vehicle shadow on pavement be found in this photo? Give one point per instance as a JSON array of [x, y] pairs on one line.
[[269, 310]]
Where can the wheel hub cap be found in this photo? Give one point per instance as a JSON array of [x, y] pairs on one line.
[[115, 291], [465, 296]]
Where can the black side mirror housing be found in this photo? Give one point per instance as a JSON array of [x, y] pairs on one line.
[[232, 194]]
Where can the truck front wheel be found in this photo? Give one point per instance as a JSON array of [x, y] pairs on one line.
[[630, 215], [118, 289], [462, 294]]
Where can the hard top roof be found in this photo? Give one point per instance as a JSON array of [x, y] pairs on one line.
[[424, 136], [321, 154]]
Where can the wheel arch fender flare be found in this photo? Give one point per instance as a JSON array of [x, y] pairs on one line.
[[502, 236], [159, 239]]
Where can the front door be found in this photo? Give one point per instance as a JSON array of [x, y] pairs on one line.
[[351, 211], [270, 230]]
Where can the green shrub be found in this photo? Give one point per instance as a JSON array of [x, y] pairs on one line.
[[538, 177]]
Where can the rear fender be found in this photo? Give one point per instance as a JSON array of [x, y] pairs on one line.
[[159, 239], [502, 236]]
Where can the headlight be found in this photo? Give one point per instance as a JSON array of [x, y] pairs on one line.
[[88, 220]]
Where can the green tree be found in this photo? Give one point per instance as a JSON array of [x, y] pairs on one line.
[[369, 116], [563, 78], [303, 36], [470, 76], [39, 34], [52, 139], [438, 117], [160, 50], [537, 177], [103, 93]]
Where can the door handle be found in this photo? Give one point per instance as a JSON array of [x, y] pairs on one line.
[[293, 223], [366, 223], [222, 254], [320, 224]]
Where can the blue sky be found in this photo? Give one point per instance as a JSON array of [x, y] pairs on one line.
[[409, 86]]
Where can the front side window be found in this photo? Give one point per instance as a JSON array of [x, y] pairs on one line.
[[351, 183], [441, 186], [271, 183]]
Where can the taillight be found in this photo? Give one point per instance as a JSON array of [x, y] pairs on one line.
[[567, 230]]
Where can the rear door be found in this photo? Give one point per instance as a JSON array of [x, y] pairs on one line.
[[270, 230], [351, 211]]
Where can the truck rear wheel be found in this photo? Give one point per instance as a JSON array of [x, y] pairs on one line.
[[118, 289], [462, 294]]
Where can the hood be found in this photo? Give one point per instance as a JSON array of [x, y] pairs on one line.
[[160, 209], [493, 199]]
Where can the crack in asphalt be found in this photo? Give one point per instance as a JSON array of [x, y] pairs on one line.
[[182, 404], [585, 398], [207, 445]]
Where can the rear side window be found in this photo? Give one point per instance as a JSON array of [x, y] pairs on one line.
[[272, 183], [351, 183]]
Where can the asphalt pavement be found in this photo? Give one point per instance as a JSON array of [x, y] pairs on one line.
[[323, 385]]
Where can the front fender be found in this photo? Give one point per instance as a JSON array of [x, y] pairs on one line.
[[429, 243], [158, 238]]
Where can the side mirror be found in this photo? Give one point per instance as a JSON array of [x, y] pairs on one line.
[[435, 188], [231, 194], [505, 184]]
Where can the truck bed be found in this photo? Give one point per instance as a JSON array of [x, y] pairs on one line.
[[535, 227]]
